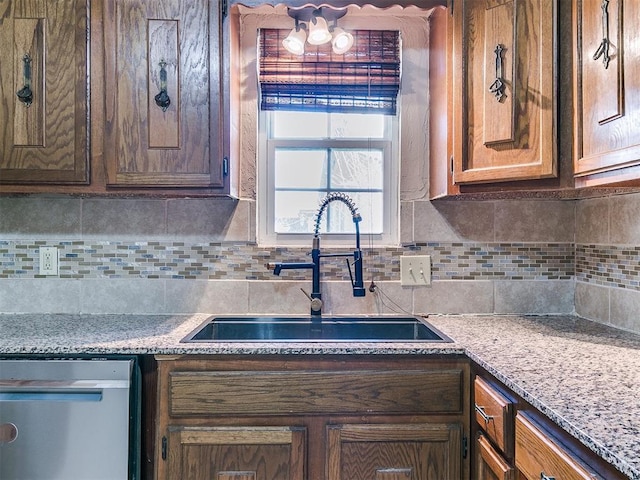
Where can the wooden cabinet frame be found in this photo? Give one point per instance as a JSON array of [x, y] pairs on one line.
[[44, 140], [606, 98], [332, 402], [512, 137]]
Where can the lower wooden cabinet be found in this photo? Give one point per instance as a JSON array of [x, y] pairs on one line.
[[394, 452], [538, 456], [515, 441], [236, 453], [490, 464], [494, 445], [313, 418]]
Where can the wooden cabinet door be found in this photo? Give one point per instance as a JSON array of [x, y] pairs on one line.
[[606, 88], [394, 452], [163, 93], [43, 92], [236, 453], [490, 464], [538, 456], [504, 90]]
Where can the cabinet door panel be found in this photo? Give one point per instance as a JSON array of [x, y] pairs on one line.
[[538, 455], [236, 453], [394, 452], [504, 91], [491, 466], [43, 92], [162, 93], [607, 85]]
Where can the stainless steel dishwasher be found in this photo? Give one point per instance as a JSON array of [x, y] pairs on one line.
[[71, 419]]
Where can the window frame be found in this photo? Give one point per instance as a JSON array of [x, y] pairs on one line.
[[266, 235]]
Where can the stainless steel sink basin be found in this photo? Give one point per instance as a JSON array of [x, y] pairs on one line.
[[305, 329]]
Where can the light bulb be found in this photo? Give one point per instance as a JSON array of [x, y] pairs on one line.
[[294, 43], [318, 31], [342, 41]]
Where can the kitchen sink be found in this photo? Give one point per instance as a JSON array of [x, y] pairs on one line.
[[308, 329]]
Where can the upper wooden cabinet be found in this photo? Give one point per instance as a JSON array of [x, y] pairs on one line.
[[504, 91], [607, 91], [43, 92], [164, 94], [501, 99]]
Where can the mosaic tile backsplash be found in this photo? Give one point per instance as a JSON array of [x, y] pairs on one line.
[[246, 261], [609, 266]]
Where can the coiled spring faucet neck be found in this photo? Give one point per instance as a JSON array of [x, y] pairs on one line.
[[344, 198]]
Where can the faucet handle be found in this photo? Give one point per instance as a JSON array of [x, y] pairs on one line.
[[357, 283], [316, 303]]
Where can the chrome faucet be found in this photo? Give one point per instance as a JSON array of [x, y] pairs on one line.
[[357, 280]]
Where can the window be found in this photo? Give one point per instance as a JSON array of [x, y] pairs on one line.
[[306, 155], [328, 124]]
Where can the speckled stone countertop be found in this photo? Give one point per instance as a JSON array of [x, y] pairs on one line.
[[583, 376]]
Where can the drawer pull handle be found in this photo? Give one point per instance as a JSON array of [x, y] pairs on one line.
[[546, 477], [483, 414]]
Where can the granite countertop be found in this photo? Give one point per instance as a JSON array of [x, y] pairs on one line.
[[583, 376]]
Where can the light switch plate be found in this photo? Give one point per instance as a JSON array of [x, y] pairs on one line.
[[415, 270]]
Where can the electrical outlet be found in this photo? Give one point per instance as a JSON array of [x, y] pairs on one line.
[[415, 270], [48, 260]]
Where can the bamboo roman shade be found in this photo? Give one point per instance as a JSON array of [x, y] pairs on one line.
[[366, 79]]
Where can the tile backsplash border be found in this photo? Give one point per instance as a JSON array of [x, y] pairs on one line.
[[247, 261]]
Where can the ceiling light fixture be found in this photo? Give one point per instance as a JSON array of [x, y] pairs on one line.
[[316, 31], [294, 43]]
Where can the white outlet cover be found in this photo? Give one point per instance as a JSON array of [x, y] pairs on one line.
[[415, 270], [48, 260]]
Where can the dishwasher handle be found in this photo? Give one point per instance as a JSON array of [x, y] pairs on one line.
[[57, 391]]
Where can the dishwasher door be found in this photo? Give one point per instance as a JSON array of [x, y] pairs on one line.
[[65, 419]]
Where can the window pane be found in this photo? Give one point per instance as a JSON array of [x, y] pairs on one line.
[[369, 207], [300, 168], [356, 125], [359, 169], [300, 125], [295, 212]]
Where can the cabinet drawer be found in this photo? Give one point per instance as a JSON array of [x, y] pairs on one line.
[[315, 392], [494, 414], [491, 465], [538, 456]]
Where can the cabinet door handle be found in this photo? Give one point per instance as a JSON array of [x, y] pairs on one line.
[[483, 414], [162, 99], [498, 85], [603, 48], [546, 477], [25, 95]]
